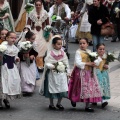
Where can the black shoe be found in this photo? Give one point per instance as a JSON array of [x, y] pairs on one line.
[[104, 104], [7, 104], [60, 107], [89, 109], [73, 104], [94, 104], [113, 41], [1, 107], [52, 107]]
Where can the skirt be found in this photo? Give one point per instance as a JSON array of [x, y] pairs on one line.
[[104, 83], [83, 87], [47, 94]]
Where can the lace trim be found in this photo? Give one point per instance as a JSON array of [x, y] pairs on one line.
[[38, 22]]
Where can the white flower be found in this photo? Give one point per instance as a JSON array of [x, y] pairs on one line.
[[61, 68], [58, 18], [3, 48], [4, 43], [110, 53], [93, 54], [104, 56], [25, 45], [117, 10], [60, 63], [48, 28]]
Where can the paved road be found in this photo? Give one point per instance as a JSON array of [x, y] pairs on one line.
[[36, 107]]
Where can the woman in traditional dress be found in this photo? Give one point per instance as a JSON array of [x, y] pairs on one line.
[[38, 19], [20, 23], [6, 19], [83, 30]]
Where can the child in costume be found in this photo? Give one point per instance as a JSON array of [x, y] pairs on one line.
[[102, 74], [11, 82], [83, 86], [28, 71], [54, 80]]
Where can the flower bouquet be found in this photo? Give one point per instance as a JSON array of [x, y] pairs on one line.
[[55, 17], [117, 11], [25, 48], [29, 7], [60, 67], [46, 32], [110, 58], [92, 57]]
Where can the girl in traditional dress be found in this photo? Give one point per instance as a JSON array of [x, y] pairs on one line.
[[102, 74], [6, 19], [54, 84], [28, 73], [83, 86], [38, 19], [11, 82], [3, 35]]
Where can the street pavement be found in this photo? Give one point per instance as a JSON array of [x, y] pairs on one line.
[[35, 107]]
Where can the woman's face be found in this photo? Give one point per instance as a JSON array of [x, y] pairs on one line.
[[38, 5], [96, 3]]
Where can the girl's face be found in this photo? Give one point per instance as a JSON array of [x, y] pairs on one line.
[[83, 44], [32, 39], [3, 34], [11, 38], [101, 50], [58, 45], [38, 5]]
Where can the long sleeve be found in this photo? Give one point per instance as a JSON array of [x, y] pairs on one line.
[[78, 60], [50, 13], [68, 11], [83, 8]]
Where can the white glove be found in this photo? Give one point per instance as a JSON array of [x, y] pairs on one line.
[[50, 66]]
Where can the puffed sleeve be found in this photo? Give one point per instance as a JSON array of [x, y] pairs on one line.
[[78, 60], [50, 13], [68, 11], [97, 61]]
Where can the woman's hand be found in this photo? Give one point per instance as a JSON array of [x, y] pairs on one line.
[[99, 22], [32, 57]]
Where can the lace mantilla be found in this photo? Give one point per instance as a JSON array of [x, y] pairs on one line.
[[38, 20]]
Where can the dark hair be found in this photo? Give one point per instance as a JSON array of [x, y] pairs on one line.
[[9, 32], [2, 30], [100, 44], [29, 34], [54, 41], [38, 1], [84, 39]]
